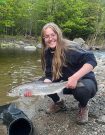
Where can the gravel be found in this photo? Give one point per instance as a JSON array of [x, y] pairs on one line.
[[64, 123]]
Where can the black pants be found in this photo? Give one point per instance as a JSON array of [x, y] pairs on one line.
[[81, 94]]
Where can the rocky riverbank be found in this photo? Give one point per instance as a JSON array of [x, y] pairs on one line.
[[31, 44], [64, 123]]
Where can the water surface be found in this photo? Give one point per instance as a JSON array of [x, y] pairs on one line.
[[16, 67]]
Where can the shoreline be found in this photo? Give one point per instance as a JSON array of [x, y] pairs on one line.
[[64, 123], [23, 41]]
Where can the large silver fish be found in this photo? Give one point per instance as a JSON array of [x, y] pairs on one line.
[[39, 88]]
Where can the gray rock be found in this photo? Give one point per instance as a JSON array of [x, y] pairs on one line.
[[101, 120]]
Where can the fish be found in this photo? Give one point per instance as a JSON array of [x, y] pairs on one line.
[[39, 88]]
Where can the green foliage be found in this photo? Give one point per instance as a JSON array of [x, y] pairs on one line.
[[77, 18]]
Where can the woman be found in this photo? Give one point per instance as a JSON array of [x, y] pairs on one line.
[[62, 61]]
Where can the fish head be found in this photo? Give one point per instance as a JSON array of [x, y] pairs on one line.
[[19, 91]]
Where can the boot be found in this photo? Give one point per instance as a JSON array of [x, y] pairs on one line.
[[82, 117], [56, 107]]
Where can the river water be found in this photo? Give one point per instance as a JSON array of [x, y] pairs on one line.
[[17, 67]]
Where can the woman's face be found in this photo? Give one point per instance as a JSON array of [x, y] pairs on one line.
[[50, 38]]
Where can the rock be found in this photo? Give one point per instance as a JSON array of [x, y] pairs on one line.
[[79, 40], [30, 48], [82, 43], [39, 46], [64, 123], [21, 42], [101, 120]]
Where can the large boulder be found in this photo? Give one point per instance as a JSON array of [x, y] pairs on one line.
[[81, 43]]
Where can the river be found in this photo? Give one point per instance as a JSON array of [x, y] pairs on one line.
[[18, 66]]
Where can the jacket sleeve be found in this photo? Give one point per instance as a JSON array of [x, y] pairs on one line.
[[80, 57], [90, 58]]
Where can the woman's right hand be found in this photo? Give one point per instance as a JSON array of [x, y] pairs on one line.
[[47, 81], [28, 93]]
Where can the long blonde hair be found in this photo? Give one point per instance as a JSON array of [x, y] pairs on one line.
[[59, 56]]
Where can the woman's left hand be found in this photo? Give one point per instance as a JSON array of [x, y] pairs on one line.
[[72, 82]]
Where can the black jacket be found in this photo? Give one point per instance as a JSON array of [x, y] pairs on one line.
[[75, 59]]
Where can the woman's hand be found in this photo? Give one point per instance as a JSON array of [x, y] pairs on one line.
[[28, 93], [72, 82], [47, 81]]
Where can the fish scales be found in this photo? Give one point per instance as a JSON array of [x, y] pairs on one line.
[[40, 88]]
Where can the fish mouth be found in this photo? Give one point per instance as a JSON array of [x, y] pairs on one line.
[[10, 94]]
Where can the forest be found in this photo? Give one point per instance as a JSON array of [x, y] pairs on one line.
[[76, 18]]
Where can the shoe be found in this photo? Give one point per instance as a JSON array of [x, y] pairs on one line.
[[82, 117], [56, 107]]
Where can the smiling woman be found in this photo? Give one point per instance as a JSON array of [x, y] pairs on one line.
[[50, 38], [62, 61]]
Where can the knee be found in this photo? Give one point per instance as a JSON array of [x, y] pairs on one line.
[[82, 94]]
